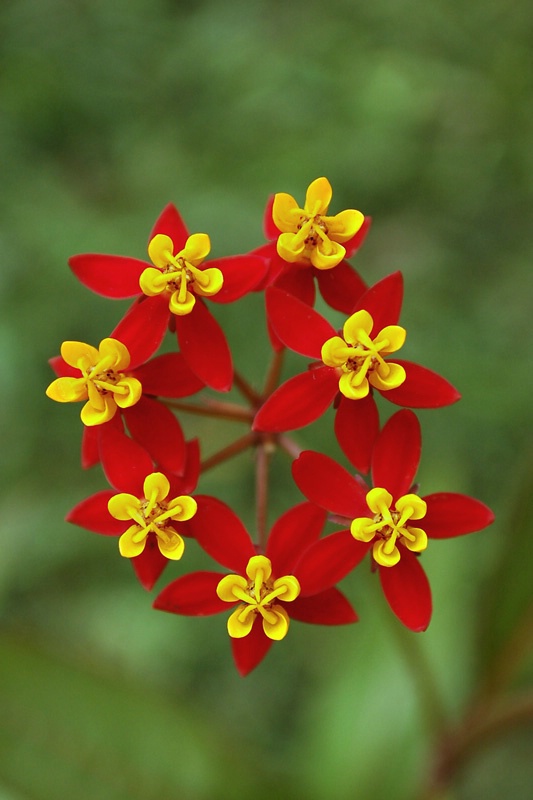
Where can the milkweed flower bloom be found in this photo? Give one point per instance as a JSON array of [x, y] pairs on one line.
[[309, 243], [152, 513], [170, 292], [348, 368], [145, 508], [308, 234], [391, 520], [294, 578], [112, 379], [102, 382]]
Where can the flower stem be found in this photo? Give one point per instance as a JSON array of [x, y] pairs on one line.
[[273, 374], [228, 452], [289, 445], [213, 408], [247, 391]]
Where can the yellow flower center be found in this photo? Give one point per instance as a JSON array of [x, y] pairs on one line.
[[308, 235], [151, 514], [102, 383], [178, 274], [258, 595], [360, 358], [389, 526]]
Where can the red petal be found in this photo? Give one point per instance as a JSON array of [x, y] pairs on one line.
[[326, 608], [168, 375], [143, 327], [298, 401], [449, 514], [297, 325], [422, 388], [407, 591], [341, 287], [93, 515], [275, 341], [111, 276], [125, 463], [329, 485], [187, 483], [62, 369], [356, 241], [356, 429], [271, 232], [275, 264], [329, 561], [297, 280], [292, 534], [171, 224], [242, 274], [204, 347], [90, 452], [219, 531], [397, 454], [156, 428], [383, 301], [249, 651], [194, 595], [149, 564]]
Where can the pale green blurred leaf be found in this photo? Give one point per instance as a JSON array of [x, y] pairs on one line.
[[69, 730]]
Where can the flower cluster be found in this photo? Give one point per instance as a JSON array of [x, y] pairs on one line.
[[133, 400]]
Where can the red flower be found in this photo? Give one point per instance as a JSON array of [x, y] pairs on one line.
[[308, 244], [294, 578], [149, 512], [171, 292], [382, 518], [351, 367], [114, 381]]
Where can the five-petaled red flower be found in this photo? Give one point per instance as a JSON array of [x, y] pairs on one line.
[[155, 535], [293, 578], [381, 518], [350, 368], [93, 375], [170, 292], [306, 244]]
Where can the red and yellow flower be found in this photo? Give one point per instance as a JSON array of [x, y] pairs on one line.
[[118, 388], [170, 293], [348, 368], [145, 508], [309, 243], [391, 520], [294, 578]]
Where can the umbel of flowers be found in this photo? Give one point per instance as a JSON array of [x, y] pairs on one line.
[[134, 400]]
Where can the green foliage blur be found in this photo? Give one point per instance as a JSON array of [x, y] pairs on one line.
[[421, 115]]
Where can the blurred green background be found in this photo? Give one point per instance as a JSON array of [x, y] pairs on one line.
[[420, 114]]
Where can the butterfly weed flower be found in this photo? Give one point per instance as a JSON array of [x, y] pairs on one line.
[[309, 243], [308, 234], [102, 381], [348, 368], [391, 520], [294, 578], [145, 508], [170, 293], [117, 389]]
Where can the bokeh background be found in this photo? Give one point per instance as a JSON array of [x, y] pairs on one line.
[[421, 115]]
